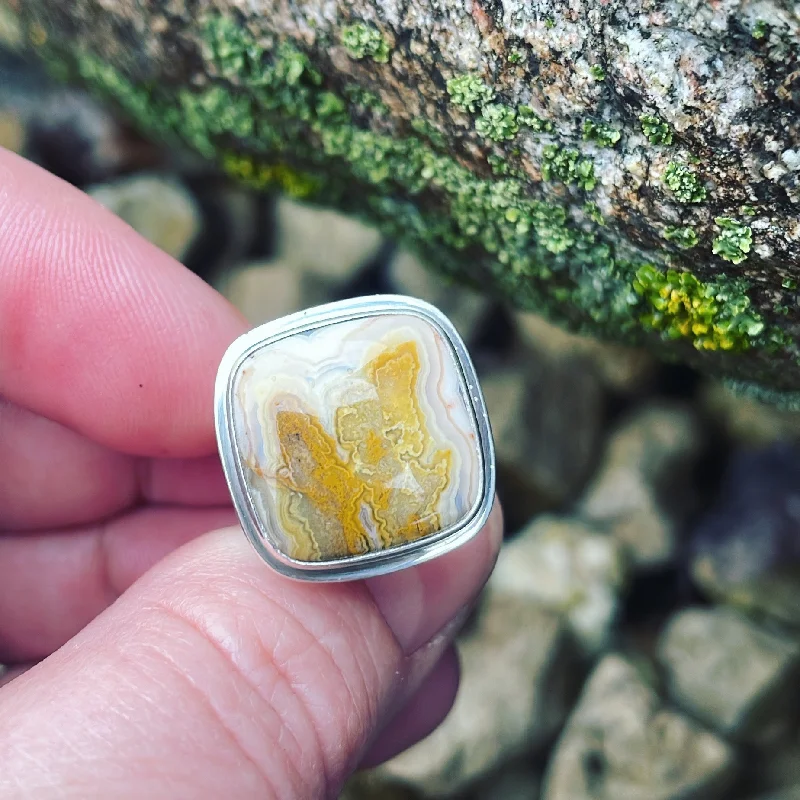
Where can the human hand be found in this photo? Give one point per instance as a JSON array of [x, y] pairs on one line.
[[193, 673]]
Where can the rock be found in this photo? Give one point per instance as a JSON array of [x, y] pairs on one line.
[[621, 369], [372, 785], [787, 793], [748, 420], [776, 768], [66, 130], [236, 230], [736, 677], [465, 308], [621, 743], [515, 782], [159, 208], [547, 419], [12, 132], [11, 33], [644, 487], [569, 568], [326, 244], [517, 671], [746, 550], [263, 292], [498, 144]]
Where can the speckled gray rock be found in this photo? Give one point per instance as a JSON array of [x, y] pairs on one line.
[[517, 680], [162, 210], [621, 743], [643, 487], [740, 679], [565, 156], [571, 569]]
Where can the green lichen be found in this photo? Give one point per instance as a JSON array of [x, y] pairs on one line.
[[682, 236], [597, 72], [527, 117], [713, 316], [501, 166], [365, 41], [600, 133], [497, 122], [747, 211], [330, 105], [760, 29], [655, 129], [362, 98], [469, 92], [789, 283], [592, 210], [684, 183], [292, 125], [424, 128], [515, 57], [568, 166], [734, 243]]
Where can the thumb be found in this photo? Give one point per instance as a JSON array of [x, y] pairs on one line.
[[214, 676]]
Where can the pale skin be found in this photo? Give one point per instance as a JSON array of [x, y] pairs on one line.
[[154, 655]]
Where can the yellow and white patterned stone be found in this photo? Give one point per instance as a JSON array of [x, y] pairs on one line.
[[356, 436]]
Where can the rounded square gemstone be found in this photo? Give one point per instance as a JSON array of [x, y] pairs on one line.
[[357, 436]]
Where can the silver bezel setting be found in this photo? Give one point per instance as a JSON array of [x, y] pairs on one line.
[[380, 561]]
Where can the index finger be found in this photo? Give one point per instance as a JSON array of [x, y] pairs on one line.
[[100, 330]]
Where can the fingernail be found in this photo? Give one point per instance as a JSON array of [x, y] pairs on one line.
[[418, 603]]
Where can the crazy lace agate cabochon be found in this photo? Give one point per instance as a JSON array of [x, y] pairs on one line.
[[357, 436]]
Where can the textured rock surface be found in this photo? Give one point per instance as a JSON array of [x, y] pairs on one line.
[[644, 487], [632, 168], [547, 419], [263, 292], [734, 676], [569, 568], [324, 244], [517, 676], [621, 744], [621, 369]]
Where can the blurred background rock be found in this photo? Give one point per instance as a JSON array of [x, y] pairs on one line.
[[639, 639]]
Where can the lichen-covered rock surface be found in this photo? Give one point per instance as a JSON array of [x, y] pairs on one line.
[[630, 168]]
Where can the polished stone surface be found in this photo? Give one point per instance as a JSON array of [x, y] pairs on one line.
[[356, 436]]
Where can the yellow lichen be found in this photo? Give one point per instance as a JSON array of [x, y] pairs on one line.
[[270, 176]]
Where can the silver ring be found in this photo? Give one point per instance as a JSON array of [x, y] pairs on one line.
[[354, 438]]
